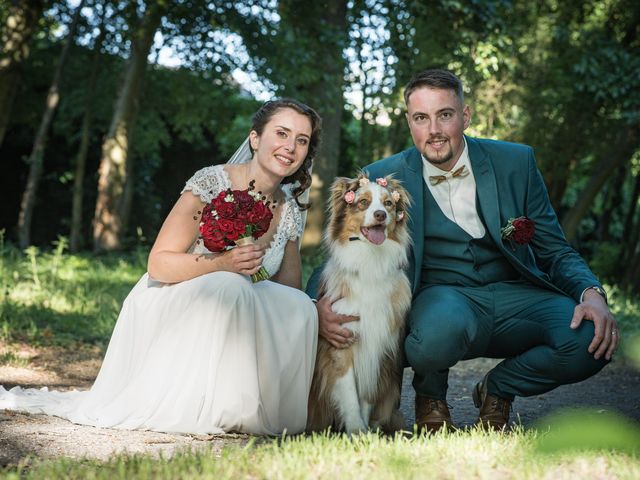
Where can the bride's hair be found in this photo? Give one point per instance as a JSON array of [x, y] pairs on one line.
[[302, 175]]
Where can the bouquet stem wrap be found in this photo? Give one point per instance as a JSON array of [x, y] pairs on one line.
[[261, 274]]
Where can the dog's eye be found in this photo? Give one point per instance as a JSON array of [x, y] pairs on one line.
[[364, 203], [388, 203]]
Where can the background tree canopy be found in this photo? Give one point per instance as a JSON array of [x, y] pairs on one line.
[[99, 131]]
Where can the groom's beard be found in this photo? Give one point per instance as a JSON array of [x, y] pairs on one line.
[[444, 157], [438, 160]]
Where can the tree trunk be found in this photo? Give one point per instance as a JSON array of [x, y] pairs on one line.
[[76, 240], [602, 171], [15, 39], [115, 163], [37, 153], [327, 96]]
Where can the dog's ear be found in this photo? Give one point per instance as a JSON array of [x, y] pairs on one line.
[[339, 187], [403, 204], [336, 205]]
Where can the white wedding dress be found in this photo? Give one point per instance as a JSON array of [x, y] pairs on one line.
[[209, 355]]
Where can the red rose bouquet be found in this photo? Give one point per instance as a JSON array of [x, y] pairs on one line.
[[519, 230], [235, 217]]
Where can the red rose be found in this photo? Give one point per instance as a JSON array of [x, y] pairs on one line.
[[258, 212], [243, 198], [226, 209], [225, 225], [262, 227], [234, 235], [240, 226], [213, 240], [524, 230], [519, 230]]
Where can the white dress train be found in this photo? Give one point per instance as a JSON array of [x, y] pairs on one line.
[[209, 355]]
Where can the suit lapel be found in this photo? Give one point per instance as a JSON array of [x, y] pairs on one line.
[[487, 192], [486, 188], [412, 181]]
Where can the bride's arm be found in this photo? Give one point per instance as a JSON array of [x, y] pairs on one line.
[[290, 272], [168, 261]]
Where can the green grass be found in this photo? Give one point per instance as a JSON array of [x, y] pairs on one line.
[[461, 455], [50, 297], [12, 359]]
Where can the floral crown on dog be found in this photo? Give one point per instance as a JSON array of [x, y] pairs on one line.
[[363, 180]]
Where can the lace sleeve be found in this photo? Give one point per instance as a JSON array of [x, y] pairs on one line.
[[295, 227], [207, 183]]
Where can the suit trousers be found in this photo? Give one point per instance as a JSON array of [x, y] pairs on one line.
[[526, 325]]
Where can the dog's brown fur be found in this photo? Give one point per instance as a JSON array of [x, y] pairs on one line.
[[332, 364]]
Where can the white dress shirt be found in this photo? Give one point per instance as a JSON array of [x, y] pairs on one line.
[[456, 196]]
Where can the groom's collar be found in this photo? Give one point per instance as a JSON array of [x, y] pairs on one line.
[[414, 159], [477, 156]]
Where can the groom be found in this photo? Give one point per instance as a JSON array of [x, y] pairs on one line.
[[482, 285]]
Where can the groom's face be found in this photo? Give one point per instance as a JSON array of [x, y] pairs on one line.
[[437, 119]]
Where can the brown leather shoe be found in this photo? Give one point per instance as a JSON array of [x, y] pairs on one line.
[[432, 415], [494, 411]]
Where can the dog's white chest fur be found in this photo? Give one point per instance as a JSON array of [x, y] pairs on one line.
[[371, 284]]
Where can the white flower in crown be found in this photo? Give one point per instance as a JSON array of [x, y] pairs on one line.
[[363, 181], [228, 198], [395, 195]]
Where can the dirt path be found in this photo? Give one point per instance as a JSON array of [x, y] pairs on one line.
[[617, 388]]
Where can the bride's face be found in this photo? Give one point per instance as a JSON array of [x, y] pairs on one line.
[[284, 142]]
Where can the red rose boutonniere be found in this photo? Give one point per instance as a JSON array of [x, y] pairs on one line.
[[519, 230], [235, 217]]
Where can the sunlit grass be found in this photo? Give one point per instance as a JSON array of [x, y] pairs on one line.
[[13, 359], [51, 297], [463, 455]]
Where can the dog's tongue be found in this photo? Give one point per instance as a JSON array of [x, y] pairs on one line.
[[374, 234]]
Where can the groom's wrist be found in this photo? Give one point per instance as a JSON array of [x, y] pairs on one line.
[[597, 289]]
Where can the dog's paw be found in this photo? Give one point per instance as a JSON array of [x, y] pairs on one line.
[[355, 428]]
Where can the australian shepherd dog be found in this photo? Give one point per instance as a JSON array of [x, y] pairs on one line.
[[358, 388]]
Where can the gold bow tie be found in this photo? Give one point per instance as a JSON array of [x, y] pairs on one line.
[[460, 172]]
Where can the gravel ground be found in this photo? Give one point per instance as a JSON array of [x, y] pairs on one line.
[[616, 388]]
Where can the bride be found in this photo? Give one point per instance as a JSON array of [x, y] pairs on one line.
[[198, 347]]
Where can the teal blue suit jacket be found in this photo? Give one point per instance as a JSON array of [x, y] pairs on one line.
[[509, 185]]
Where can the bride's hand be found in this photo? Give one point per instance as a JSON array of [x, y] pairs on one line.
[[245, 259]]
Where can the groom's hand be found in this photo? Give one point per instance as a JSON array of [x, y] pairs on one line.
[[330, 325], [607, 335]]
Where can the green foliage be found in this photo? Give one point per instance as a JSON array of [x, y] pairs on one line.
[[50, 297], [560, 76], [626, 309], [472, 454], [580, 430]]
